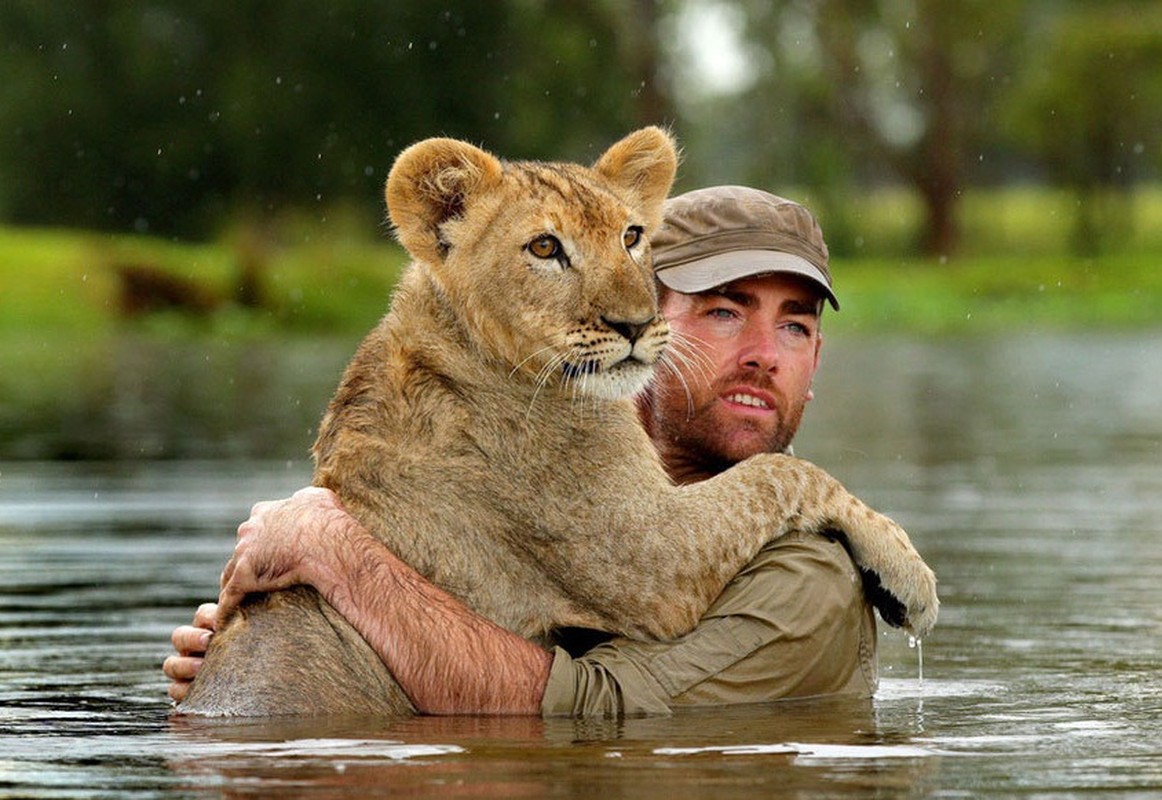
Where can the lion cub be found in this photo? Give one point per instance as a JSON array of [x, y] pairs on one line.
[[485, 432]]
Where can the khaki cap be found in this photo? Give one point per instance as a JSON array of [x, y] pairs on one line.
[[713, 236]]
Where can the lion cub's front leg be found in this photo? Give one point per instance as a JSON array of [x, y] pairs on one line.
[[877, 544]]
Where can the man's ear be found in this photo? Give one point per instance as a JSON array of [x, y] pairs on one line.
[[643, 164], [430, 183]]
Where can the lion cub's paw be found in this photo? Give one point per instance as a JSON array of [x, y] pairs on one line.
[[898, 582], [918, 616]]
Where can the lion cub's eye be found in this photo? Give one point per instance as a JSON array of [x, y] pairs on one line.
[[631, 237], [545, 246]]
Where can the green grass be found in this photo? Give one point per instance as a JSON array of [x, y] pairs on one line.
[[992, 294], [61, 286], [65, 283]]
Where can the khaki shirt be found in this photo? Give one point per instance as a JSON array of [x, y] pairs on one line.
[[792, 623]]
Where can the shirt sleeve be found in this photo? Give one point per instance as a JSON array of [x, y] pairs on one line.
[[792, 623]]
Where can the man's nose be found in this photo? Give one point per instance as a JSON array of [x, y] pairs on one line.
[[758, 347]]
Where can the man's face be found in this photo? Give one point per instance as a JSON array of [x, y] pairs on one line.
[[745, 355]]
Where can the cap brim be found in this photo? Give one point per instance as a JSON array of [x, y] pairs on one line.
[[721, 268]]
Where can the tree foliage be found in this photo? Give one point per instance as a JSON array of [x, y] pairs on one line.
[[902, 90], [1088, 108], [172, 117], [167, 117]]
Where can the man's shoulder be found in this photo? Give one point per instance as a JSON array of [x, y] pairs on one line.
[[822, 545], [801, 565]]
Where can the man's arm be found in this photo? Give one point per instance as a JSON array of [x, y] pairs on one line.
[[793, 623], [448, 659]]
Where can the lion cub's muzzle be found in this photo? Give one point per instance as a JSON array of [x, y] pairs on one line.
[[614, 357]]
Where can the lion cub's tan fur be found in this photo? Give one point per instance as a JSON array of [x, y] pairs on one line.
[[485, 432]]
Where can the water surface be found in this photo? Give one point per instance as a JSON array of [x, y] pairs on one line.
[[1028, 470]]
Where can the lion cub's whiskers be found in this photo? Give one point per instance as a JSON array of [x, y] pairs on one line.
[[684, 352], [543, 375], [546, 372], [691, 350], [578, 382], [676, 372], [529, 358]]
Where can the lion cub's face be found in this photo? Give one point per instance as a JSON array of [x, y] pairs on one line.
[[547, 264]]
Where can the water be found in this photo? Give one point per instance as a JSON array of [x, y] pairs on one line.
[[1028, 470]]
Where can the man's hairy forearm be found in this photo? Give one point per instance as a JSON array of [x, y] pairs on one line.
[[447, 658]]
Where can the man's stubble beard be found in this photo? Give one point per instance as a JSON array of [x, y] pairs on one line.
[[703, 437]]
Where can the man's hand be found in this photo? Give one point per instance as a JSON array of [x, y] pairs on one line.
[[191, 642], [279, 546], [448, 659], [283, 544]]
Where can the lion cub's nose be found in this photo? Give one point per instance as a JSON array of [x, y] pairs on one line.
[[630, 330]]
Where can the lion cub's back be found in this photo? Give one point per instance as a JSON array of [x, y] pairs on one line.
[[290, 653]]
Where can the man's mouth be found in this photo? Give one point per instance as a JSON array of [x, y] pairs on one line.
[[746, 400]]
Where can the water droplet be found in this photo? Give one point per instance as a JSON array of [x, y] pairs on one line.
[[918, 645]]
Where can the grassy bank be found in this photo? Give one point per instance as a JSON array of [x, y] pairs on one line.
[[61, 285], [990, 295], [75, 283]]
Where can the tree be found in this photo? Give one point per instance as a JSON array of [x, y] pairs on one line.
[[169, 118], [1088, 107], [866, 89]]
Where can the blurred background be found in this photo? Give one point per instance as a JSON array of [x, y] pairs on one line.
[[180, 177]]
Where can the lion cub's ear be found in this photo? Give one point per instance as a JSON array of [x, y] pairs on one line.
[[644, 164], [429, 184]]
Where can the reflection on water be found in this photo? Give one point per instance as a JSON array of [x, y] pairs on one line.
[[1029, 472]]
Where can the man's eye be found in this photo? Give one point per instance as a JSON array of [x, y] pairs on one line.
[[545, 246], [799, 330], [631, 237], [720, 313]]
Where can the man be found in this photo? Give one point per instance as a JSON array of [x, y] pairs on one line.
[[743, 276]]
